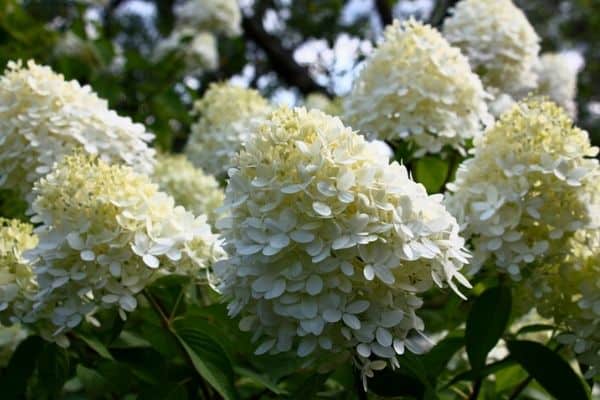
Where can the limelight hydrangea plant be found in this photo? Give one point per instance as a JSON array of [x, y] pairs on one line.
[[500, 43], [558, 81], [416, 87], [524, 192], [191, 188], [43, 118], [219, 16], [198, 49], [330, 245], [17, 283], [227, 116], [105, 233]]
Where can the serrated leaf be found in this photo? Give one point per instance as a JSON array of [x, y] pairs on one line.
[[13, 382], [208, 356], [551, 371], [486, 323], [431, 172]]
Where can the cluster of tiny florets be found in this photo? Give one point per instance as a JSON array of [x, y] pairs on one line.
[[17, 283], [558, 81], [524, 192], [500, 43], [219, 16], [330, 245], [43, 118], [416, 87], [227, 115], [321, 102], [191, 188], [105, 233], [198, 49]]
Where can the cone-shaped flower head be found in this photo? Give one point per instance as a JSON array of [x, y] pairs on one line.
[[227, 116], [558, 81], [525, 190], [330, 245], [417, 87], [191, 188], [218, 16], [43, 118], [105, 233], [499, 42], [16, 277]]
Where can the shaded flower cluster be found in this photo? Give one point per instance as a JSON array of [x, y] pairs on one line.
[[499, 42], [198, 49], [17, 283], [10, 337], [105, 233], [43, 118], [417, 87], [219, 16], [191, 188], [330, 245], [558, 81], [524, 192], [227, 116], [321, 102]]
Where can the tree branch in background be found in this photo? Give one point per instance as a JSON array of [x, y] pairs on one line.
[[385, 12], [281, 59], [441, 11]]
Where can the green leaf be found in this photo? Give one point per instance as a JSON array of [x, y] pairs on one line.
[[53, 369], [396, 383], [96, 345], [489, 369], [535, 328], [260, 379], [94, 383], [431, 172], [208, 356], [310, 387], [486, 323], [549, 369], [20, 368], [438, 357]]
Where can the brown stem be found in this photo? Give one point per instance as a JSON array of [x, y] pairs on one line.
[[476, 389]]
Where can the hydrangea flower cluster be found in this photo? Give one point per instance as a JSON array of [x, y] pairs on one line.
[[198, 49], [227, 116], [567, 289], [417, 87], [10, 337], [43, 118], [558, 81], [17, 283], [500, 43], [106, 232], [321, 102], [330, 245], [524, 192], [191, 188], [219, 16]]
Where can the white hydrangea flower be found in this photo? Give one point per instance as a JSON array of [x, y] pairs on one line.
[[417, 87], [219, 16], [69, 44], [43, 118], [500, 43], [558, 81], [524, 192], [106, 232], [330, 245], [567, 289], [198, 49], [191, 188], [227, 116], [499, 102], [17, 283]]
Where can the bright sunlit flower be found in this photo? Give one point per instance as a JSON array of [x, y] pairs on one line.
[[330, 244], [16, 277], [227, 116], [43, 118], [219, 16], [416, 87], [499, 42], [189, 186], [524, 192], [106, 232], [558, 81]]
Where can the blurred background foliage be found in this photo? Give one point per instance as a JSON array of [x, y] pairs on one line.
[[287, 49]]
